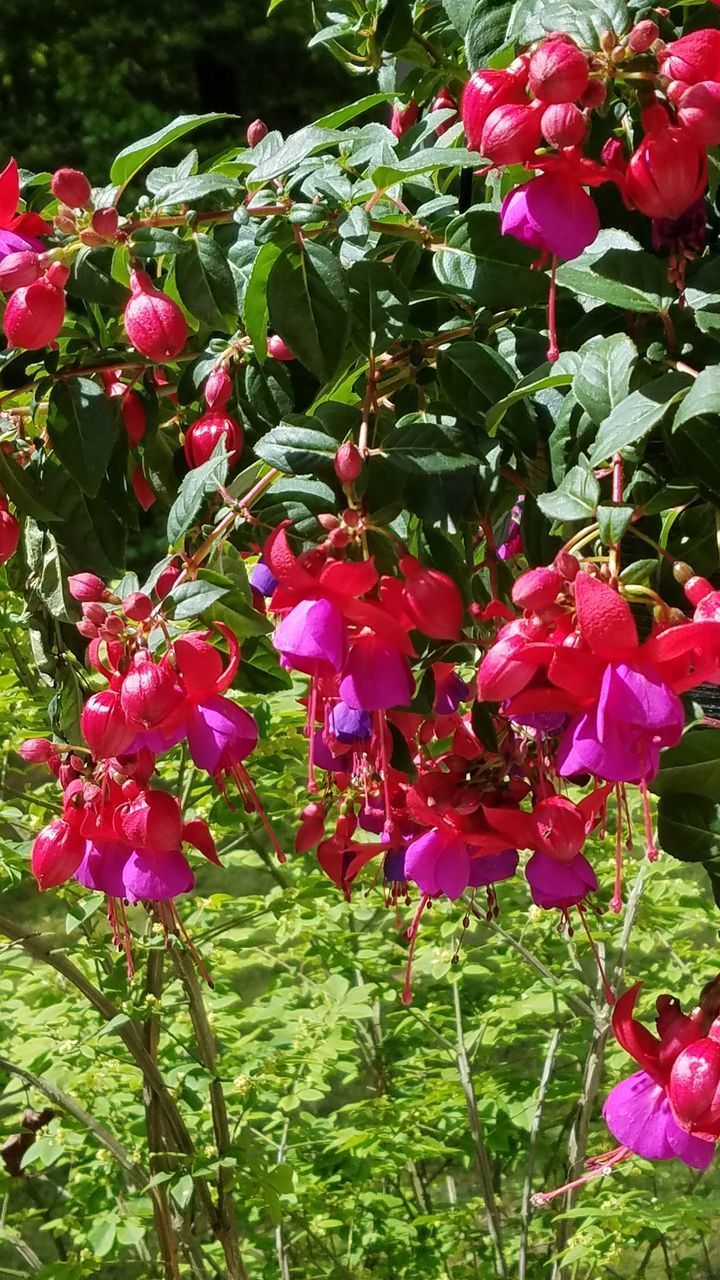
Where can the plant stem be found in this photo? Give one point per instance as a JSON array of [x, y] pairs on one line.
[[525, 1210], [153, 1119]]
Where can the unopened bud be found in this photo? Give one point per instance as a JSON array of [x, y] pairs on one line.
[[90, 238], [327, 520], [71, 187], [256, 132], [643, 35], [105, 222], [87, 586], [94, 612], [348, 463], [137, 606]]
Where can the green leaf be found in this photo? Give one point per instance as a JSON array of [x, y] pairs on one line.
[[292, 152], [637, 415], [191, 599], [425, 160], [157, 242], [394, 25], [309, 307], [205, 282], [132, 158], [692, 766], [486, 32], [525, 390], [89, 281], [689, 827], [473, 377], [702, 400], [255, 303], [336, 119], [297, 449], [616, 270], [83, 429], [584, 19], [614, 521], [197, 484], [575, 499], [101, 1235], [603, 379], [492, 268], [430, 447], [459, 13], [23, 484], [380, 303]]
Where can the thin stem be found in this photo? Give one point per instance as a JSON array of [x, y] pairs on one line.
[[153, 1119], [526, 1206]]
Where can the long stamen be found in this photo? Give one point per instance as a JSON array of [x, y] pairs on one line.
[[599, 1167], [651, 848], [411, 935], [616, 900], [245, 785], [553, 351], [609, 993]]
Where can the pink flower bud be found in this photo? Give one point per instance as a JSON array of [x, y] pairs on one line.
[[512, 133], [167, 580], [154, 324], [153, 822], [204, 435], [132, 411], [71, 187], [137, 606], [56, 854], [311, 829], [9, 534], [278, 348], [444, 102], [693, 57], [105, 222], [694, 1088], [104, 725], [197, 833], [558, 71], [537, 589], [87, 586], [594, 95], [87, 629], [484, 91], [256, 132], [149, 692], [431, 600], [563, 125], [643, 35], [699, 112], [19, 269], [348, 463], [37, 750], [667, 173], [403, 117], [142, 490], [218, 388], [34, 315], [696, 589], [94, 613]]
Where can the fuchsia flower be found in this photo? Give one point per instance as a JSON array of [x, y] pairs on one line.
[[553, 214], [18, 231]]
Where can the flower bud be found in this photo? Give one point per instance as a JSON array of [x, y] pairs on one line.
[[537, 589], [104, 725], [105, 222], [567, 565], [256, 131], [141, 489], [56, 854], [87, 629], [9, 534], [484, 91], [34, 315], [694, 57], [594, 95], [563, 125], [71, 187], [311, 829], [403, 117], [643, 35], [37, 750], [90, 238], [667, 173], [699, 112], [132, 412], [512, 133], [444, 102], [558, 71], [19, 269], [696, 589], [94, 613], [218, 388], [87, 586], [278, 348], [676, 91], [149, 692], [348, 463], [694, 1088], [166, 581], [203, 436], [431, 600], [154, 324], [137, 606]]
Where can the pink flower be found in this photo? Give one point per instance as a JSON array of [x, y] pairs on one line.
[[376, 676], [312, 637], [551, 213], [438, 863], [559, 884]]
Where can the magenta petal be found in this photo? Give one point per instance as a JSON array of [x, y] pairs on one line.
[[103, 867], [491, 868], [638, 1115], [156, 877], [551, 213], [324, 758], [559, 884], [620, 756], [376, 678], [695, 1152], [438, 864], [220, 734], [312, 637]]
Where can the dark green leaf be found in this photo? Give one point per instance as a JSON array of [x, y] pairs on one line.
[[191, 599], [132, 158], [309, 307], [616, 270], [614, 521], [205, 282], [494, 269], [603, 379], [297, 449], [156, 242], [473, 377], [379, 302], [689, 827], [193, 490], [575, 499], [584, 19], [431, 447], [24, 485], [83, 428], [255, 304], [394, 25], [692, 766], [635, 417]]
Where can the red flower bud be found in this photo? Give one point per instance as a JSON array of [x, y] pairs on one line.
[[166, 581], [94, 613], [218, 389], [142, 490], [278, 348], [204, 435], [87, 629], [87, 586], [311, 829], [132, 411], [594, 95], [256, 132], [105, 222], [56, 854], [484, 91], [71, 187], [444, 102], [154, 324], [19, 269], [699, 112], [34, 315], [37, 750], [9, 534], [558, 71], [676, 91], [403, 118], [694, 1088], [431, 600], [512, 133], [149, 692], [104, 725], [537, 588], [643, 35], [667, 173], [613, 155], [348, 463], [693, 57], [696, 589], [563, 125], [137, 606]]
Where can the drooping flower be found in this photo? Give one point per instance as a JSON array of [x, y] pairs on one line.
[[18, 231], [551, 213], [438, 863]]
